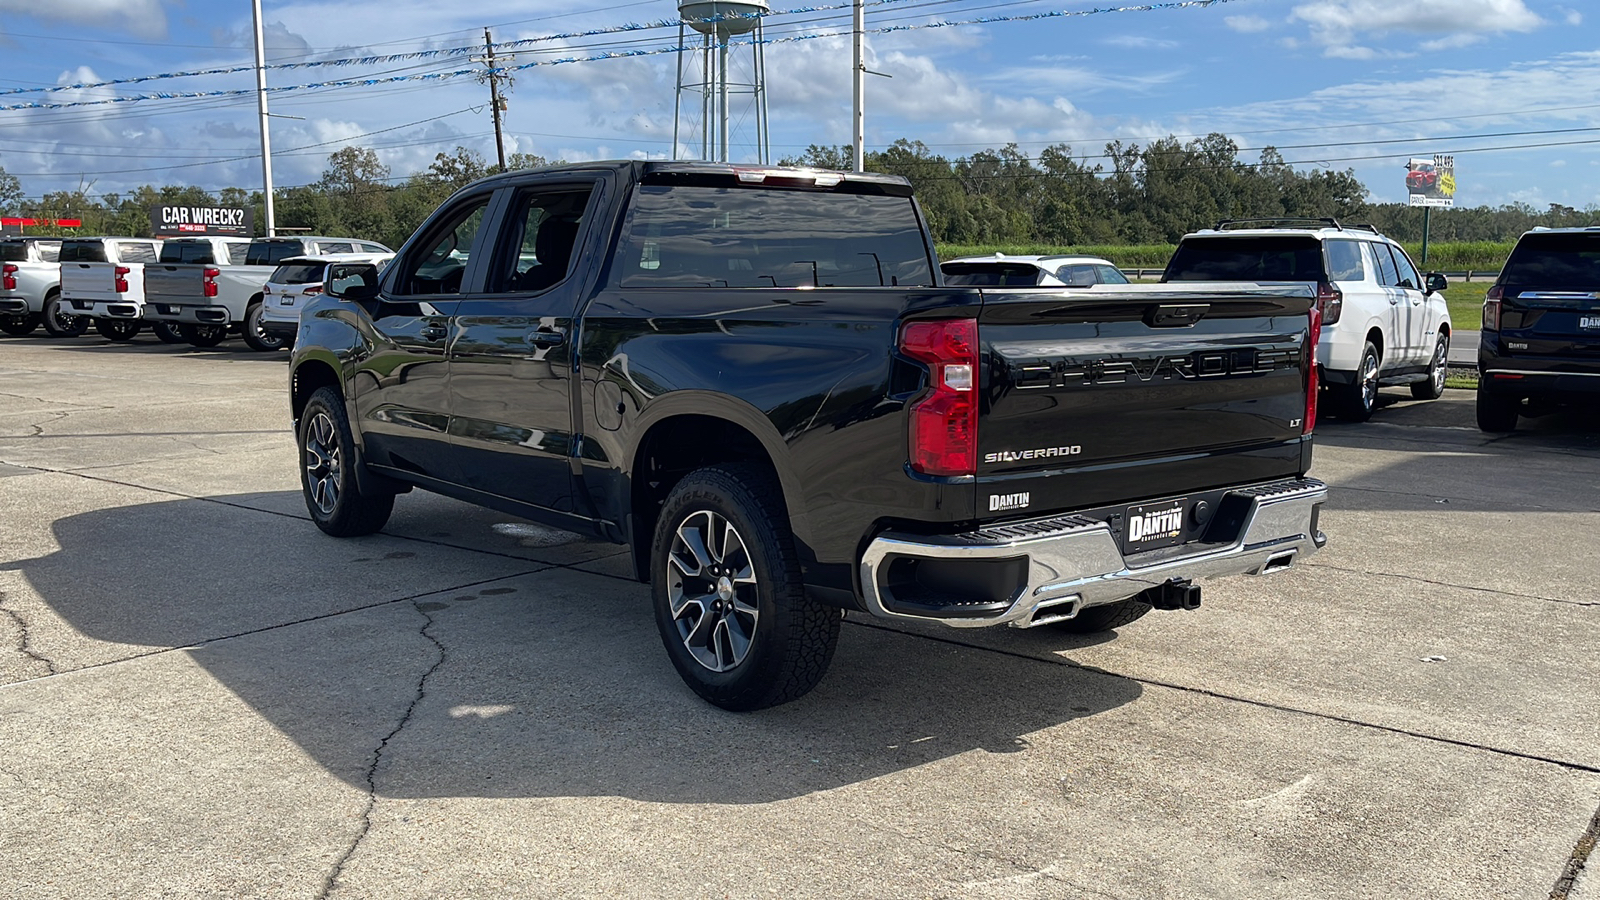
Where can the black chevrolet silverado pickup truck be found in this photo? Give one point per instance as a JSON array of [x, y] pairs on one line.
[[754, 379]]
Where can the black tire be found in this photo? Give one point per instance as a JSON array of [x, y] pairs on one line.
[[20, 326], [1357, 400], [1497, 413], [327, 471], [255, 336], [769, 643], [119, 330], [60, 323], [203, 335], [168, 332], [1105, 618], [1438, 368]]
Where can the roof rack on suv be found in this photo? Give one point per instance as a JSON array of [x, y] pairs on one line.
[[1291, 222]]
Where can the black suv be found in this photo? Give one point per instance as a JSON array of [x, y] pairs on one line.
[[1541, 328]]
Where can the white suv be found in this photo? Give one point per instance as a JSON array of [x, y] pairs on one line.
[[1382, 321]]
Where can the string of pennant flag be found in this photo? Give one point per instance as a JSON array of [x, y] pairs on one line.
[[568, 60]]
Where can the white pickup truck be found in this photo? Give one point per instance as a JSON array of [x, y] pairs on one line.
[[209, 287], [103, 278], [30, 277]]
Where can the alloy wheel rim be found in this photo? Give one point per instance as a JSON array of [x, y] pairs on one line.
[[1440, 366], [322, 463], [260, 330], [711, 589], [1369, 381]]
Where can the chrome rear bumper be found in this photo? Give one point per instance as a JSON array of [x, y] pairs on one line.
[[1074, 562]]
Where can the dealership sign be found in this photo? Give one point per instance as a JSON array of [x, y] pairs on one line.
[[1432, 182], [172, 221]]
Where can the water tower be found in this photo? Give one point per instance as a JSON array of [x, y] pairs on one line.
[[707, 80]]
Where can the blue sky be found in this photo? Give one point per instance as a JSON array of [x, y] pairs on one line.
[[1359, 84]]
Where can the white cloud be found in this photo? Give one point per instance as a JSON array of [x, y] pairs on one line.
[[1338, 25], [1558, 163], [1140, 42], [1247, 24], [143, 18]]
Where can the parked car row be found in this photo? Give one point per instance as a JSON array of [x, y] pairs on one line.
[[195, 290]]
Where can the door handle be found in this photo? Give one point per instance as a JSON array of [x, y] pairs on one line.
[[1394, 301], [546, 338], [435, 333]]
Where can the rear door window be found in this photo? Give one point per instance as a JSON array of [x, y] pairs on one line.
[[1255, 258], [1110, 275], [712, 237], [17, 252], [1560, 262]]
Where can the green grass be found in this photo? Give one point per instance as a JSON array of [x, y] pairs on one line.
[[1465, 299]]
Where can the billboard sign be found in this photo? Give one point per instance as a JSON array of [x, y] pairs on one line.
[[188, 221], [1432, 182]]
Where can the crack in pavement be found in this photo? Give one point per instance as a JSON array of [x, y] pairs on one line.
[[1577, 861], [1462, 587], [332, 880], [22, 643], [1219, 695]]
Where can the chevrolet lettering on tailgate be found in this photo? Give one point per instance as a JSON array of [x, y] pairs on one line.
[[1203, 364]]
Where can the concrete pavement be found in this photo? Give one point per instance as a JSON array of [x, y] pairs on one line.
[[201, 695]]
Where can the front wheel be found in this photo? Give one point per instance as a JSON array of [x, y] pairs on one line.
[[327, 475], [1498, 413], [119, 330], [60, 323], [1438, 368], [256, 336], [203, 335], [729, 603], [20, 326], [1357, 400], [168, 332]]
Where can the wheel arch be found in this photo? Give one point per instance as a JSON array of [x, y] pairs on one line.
[[309, 376], [692, 433]]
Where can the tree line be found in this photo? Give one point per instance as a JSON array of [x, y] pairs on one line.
[[1129, 194]]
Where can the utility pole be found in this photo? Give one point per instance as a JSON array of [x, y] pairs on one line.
[[266, 140], [858, 73], [495, 103]]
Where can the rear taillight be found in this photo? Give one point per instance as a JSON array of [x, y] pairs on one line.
[[120, 282], [8, 277], [209, 282], [1312, 382], [1330, 302], [1491, 308], [944, 422], [311, 289]]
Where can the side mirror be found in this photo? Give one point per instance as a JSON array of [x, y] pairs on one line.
[[1435, 282], [351, 282]]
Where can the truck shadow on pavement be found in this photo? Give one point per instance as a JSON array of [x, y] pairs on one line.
[[497, 681]]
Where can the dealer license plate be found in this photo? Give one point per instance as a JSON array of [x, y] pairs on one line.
[[1151, 525], [1589, 322], [285, 300]]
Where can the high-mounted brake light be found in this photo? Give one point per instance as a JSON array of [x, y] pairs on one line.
[[1491, 308], [944, 422], [1330, 302], [209, 285], [1313, 336], [8, 276], [120, 281]]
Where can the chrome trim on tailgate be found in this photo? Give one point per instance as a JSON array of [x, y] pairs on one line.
[[1075, 559]]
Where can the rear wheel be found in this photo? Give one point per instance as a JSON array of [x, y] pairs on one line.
[[1357, 400], [731, 609], [119, 330], [59, 322], [1438, 368], [1498, 412], [327, 474], [203, 335], [168, 332], [255, 335], [1105, 618], [20, 326]]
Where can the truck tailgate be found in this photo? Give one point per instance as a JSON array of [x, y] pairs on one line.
[[180, 283], [88, 281], [1133, 392]]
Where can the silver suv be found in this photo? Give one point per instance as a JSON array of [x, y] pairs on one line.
[[1383, 322]]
